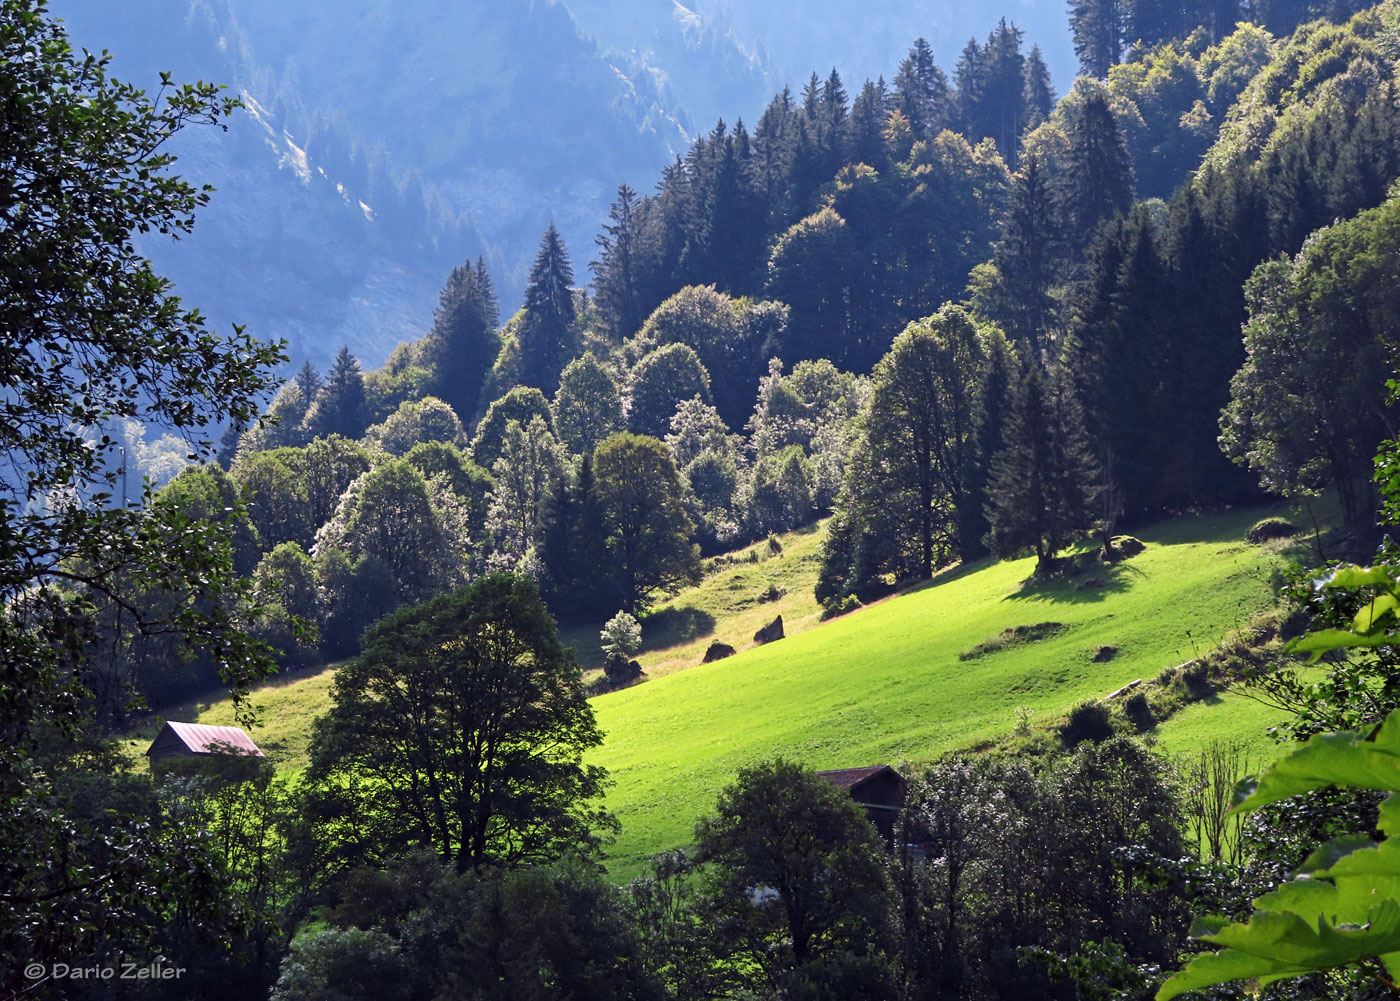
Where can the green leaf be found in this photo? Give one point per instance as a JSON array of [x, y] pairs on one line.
[[1379, 607], [1388, 823], [1208, 924], [1329, 854], [1340, 759], [1277, 945], [1350, 577], [1324, 640], [1221, 967]]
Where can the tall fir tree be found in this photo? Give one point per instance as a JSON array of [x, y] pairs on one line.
[[1027, 256], [308, 380], [921, 92], [1042, 482], [1120, 344], [1097, 179], [1039, 95], [546, 329], [834, 114], [462, 346], [773, 140], [579, 582], [339, 407], [867, 132], [1147, 22], [615, 270], [1097, 27], [1002, 108]]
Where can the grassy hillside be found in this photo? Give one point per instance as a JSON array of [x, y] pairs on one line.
[[885, 684], [729, 605], [1228, 716]]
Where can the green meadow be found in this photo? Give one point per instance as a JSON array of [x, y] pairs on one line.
[[885, 683], [882, 684]]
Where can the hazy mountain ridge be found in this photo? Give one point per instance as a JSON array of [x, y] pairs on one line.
[[384, 143], [350, 185]]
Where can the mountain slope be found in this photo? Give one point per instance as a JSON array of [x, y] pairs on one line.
[[382, 144], [885, 684]]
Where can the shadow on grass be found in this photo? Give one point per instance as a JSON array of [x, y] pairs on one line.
[[672, 626], [1086, 586], [941, 577]]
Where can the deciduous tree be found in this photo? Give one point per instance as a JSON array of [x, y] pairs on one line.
[[461, 729], [795, 894], [647, 530]]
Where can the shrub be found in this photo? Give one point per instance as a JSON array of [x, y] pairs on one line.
[[839, 606], [619, 670], [622, 635], [1089, 720], [1196, 677], [1138, 711], [1268, 529]]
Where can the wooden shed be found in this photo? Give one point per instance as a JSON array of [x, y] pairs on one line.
[[878, 788], [197, 739]]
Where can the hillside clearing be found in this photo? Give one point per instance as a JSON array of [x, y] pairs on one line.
[[885, 684], [882, 684]]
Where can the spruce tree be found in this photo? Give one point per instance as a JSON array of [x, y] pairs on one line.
[[308, 380], [1097, 27], [340, 405], [773, 148], [462, 346], [1002, 106], [921, 92], [969, 75], [1042, 482], [1039, 95], [1097, 181], [833, 119], [868, 114], [579, 576], [1027, 255], [1120, 341], [614, 272], [1147, 22], [546, 329]]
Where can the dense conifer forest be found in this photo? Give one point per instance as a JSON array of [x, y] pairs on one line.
[[950, 316]]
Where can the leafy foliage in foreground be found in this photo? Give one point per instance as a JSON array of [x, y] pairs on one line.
[[1342, 907], [92, 864]]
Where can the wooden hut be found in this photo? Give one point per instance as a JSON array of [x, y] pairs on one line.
[[879, 789], [197, 739]]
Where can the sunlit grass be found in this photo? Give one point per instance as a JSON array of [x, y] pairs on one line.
[[885, 684]]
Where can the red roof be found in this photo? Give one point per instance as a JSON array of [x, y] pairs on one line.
[[849, 778], [202, 739]]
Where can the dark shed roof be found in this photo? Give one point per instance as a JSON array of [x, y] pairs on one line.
[[854, 778]]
